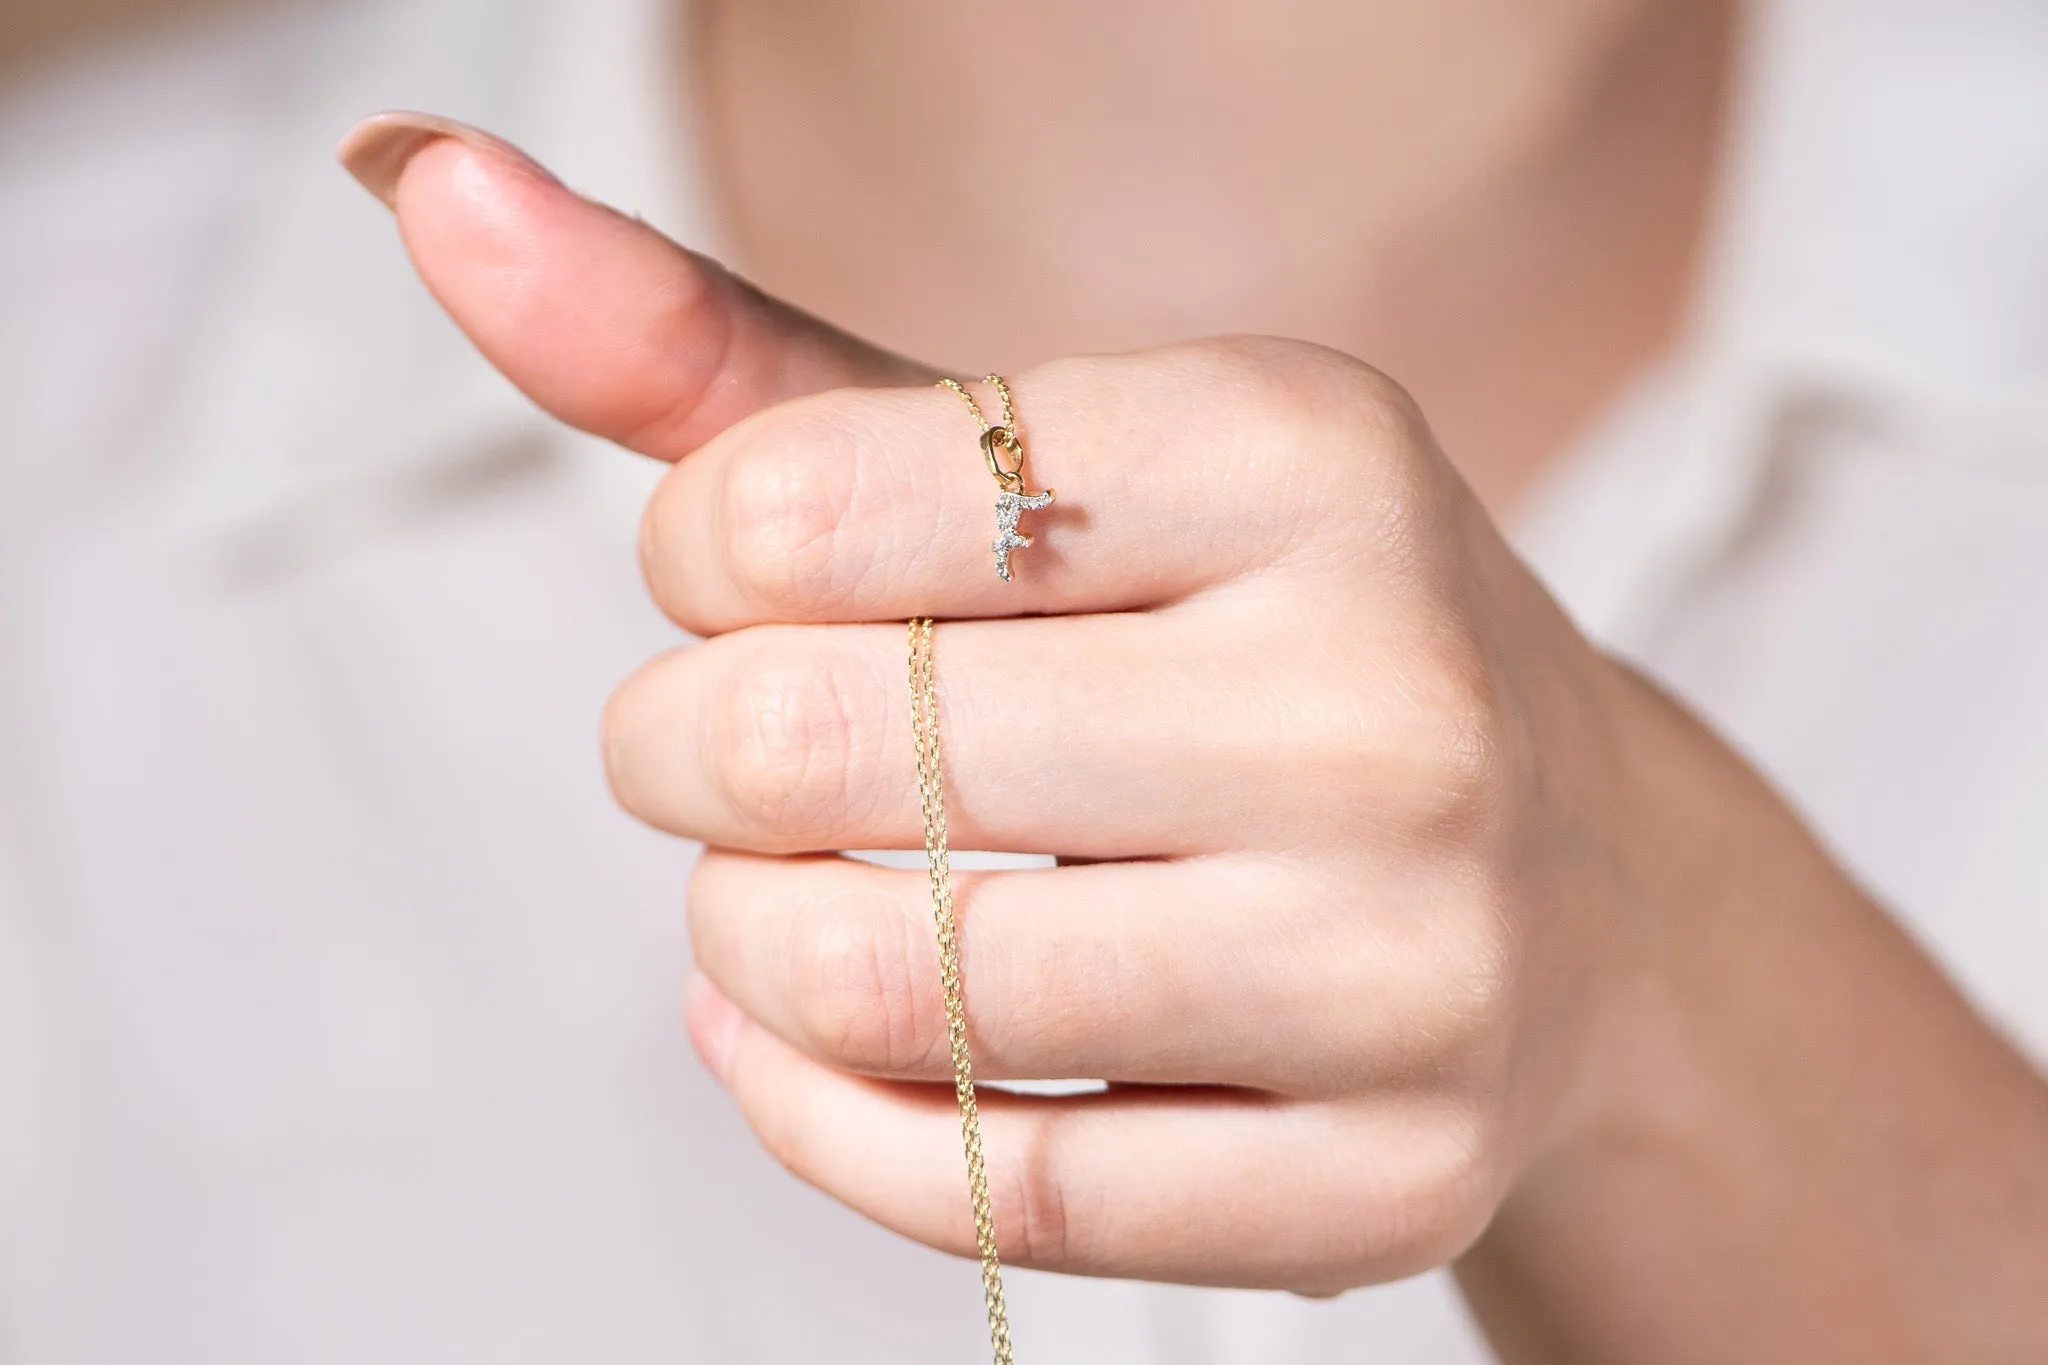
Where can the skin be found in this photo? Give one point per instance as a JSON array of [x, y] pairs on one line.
[[1411, 928], [1513, 243], [35, 32]]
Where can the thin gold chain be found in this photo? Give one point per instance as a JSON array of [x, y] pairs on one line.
[[931, 794], [1009, 409]]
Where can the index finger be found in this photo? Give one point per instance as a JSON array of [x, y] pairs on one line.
[[1175, 470]]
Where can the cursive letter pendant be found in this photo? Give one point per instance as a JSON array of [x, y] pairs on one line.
[[1011, 500], [1010, 506]]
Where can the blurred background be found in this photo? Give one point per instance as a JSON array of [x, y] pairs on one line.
[[45, 31]]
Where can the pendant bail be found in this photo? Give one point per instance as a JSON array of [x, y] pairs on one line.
[[1012, 476]]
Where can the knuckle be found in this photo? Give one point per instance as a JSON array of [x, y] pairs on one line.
[[1431, 748], [1456, 745], [784, 1127], [1257, 385], [788, 755], [855, 969], [611, 729], [1044, 1230], [1046, 1221], [783, 501], [1453, 1184], [1291, 394], [1473, 986], [631, 714], [1351, 444], [1436, 1188], [651, 546], [659, 563]]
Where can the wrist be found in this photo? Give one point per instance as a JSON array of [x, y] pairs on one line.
[[1636, 1107], [1701, 859], [1775, 1101]]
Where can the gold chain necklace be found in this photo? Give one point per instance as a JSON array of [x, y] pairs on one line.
[[924, 719], [1008, 427]]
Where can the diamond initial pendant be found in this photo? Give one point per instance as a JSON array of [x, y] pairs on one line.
[[1010, 506]]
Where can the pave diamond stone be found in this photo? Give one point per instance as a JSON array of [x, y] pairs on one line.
[[1010, 506]]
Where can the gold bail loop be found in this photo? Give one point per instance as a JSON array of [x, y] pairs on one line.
[[993, 441]]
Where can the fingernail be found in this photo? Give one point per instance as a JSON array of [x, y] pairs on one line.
[[377, 150], [714, 1023]]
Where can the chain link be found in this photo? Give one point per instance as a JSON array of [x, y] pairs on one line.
[[931, 795], [1009, 409]]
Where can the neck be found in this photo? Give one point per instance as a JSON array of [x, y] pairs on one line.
[[1498, 203]]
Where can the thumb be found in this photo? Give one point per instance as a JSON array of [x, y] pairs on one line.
[[600, 319]]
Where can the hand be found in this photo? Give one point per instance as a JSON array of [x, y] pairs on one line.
[[1395, 913], [1334, 761]]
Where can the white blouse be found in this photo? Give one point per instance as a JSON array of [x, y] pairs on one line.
[[338, 1005]]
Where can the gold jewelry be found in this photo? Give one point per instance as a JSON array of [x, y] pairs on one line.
[[1011, 499], [931, 795]]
